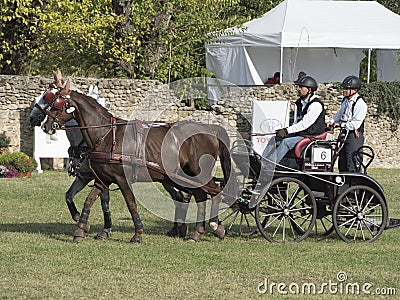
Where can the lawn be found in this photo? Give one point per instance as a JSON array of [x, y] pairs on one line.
[[40, 261]]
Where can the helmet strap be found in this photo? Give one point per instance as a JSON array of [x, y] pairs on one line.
[[308, 95], [351, 95]]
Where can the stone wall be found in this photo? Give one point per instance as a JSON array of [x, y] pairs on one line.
[[150, 100]]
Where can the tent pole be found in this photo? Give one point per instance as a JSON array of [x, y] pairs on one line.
[[369, 65], [281, 75]]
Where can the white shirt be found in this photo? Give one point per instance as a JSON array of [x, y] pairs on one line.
[[347, 119], [311, 116]]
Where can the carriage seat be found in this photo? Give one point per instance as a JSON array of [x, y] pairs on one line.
[[302, 144]]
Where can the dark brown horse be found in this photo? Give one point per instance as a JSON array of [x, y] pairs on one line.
[[182, 155]]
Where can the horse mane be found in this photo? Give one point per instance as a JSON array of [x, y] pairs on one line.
[[93, 102]]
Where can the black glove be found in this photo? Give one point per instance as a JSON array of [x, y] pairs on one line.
[[281, 132]]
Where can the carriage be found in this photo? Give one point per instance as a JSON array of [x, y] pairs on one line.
[[293, 203]]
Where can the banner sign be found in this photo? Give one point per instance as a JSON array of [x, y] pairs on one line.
[[268, 116]]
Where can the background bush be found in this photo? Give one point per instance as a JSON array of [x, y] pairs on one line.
[[19, 160]]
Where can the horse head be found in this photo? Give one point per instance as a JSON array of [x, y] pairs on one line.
[[41, 104], [68, 105], [59, 109], [38, 112]]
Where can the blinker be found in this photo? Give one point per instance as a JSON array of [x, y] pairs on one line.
[[49, 95], [59, 103]]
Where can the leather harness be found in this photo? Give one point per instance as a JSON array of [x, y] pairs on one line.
[[136, 159]]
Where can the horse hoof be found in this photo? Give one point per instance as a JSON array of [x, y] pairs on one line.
[[136, 239], [103, 235], [178, 231], [79, 235], [194, 237], [173, 232], [182, 230], [220, 232]]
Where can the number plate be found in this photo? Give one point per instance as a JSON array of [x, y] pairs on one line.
[[321, 155]]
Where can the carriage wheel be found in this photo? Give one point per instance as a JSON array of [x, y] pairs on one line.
[[360, 214], [239, 219], [286, 210]]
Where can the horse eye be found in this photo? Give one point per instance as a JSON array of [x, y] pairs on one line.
[[59, 103]]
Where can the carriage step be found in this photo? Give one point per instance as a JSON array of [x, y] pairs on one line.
[[393, 223], [253, 192]]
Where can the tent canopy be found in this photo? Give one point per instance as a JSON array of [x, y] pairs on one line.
[[324, 38]]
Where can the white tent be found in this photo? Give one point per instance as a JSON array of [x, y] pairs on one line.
[[324, 38]]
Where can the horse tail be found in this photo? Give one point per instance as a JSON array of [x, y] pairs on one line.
[[230, 184]]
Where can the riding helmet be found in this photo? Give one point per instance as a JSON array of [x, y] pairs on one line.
[[351, 82], [307, 81]]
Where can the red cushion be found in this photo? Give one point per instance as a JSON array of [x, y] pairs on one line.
[[307, 140]]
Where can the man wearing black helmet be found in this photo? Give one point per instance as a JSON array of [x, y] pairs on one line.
[[351, 116], [309, 119]]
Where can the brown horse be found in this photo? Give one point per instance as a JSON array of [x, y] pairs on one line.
[[182, 155]]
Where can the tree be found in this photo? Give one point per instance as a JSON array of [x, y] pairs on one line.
[[18, 32], [147, 39]]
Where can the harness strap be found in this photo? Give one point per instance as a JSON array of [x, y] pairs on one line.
[[156, 168], [110, 157], [100, 186]]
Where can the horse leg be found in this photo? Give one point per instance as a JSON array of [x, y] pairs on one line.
[[217, 228], [181, 209], [77, 185], [132, 207], [105, 205], [83, 224], [200, 222], [181, 202]]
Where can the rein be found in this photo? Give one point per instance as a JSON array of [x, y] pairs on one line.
[[95, 126]]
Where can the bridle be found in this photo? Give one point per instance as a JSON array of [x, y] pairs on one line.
[[48, 97], [59, 101]]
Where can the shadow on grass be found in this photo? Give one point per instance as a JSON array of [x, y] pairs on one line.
[[159, 227]]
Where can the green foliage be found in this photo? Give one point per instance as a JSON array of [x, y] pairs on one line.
[[4, 140], [18, 32], [19, 160], [386, 95], [147, 39]]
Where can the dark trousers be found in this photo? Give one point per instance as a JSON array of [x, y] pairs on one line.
[[347, 163]]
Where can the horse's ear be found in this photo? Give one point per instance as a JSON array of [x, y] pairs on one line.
[[58, 78], [67, 87]]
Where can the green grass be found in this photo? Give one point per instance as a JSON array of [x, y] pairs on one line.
[[39, 260]]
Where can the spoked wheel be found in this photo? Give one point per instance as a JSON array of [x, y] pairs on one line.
[[239, 219], [360, 214], [286, 210]]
